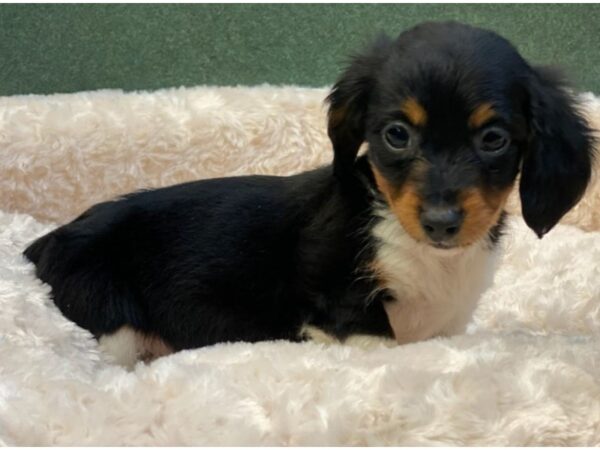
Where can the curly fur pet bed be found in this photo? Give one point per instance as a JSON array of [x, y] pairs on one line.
[[526, 373]]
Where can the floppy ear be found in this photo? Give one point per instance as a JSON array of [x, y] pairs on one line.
[[557, 164], [348, 103]]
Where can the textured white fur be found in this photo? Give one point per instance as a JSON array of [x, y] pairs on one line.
[[526, 373], [439, 288]]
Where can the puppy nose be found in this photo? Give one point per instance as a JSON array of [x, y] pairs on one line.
[[441, 223]]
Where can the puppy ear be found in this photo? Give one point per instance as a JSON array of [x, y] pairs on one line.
[[348, 102], [557, 163]]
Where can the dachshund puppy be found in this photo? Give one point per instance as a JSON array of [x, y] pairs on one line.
[[397, 242]]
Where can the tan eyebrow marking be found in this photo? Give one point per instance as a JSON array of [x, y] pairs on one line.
[[414, 111], [481, 115]]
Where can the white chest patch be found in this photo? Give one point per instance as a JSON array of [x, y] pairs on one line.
[[435, 290]]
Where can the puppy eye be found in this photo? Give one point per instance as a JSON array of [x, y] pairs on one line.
[[494, 140], [396, 135]]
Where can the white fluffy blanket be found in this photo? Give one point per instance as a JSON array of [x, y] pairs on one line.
[[526, 373]]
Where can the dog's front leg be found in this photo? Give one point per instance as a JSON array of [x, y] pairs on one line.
[[416, 320]]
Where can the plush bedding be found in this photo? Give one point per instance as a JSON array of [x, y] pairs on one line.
[[526, 373]]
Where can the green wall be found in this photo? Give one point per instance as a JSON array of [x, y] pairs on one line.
[[67, 48]]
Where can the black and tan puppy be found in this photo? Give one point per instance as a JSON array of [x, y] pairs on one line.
[[398, 242]]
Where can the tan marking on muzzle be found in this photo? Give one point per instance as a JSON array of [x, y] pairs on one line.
[[404, 201], [482, 208]]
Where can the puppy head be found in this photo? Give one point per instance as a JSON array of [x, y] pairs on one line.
[[450, 114]]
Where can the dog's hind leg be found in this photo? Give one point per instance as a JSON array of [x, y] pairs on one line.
[[127, 346], [88, 286]]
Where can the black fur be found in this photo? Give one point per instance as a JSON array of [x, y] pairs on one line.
[[247, 258], [557, 164], [450, 68], [257, 257], [349, 103]]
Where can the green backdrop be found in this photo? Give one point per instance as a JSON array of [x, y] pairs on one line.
[[67, 48]]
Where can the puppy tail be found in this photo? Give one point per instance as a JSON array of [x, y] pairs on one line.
[[34, 252], [84, 284]]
